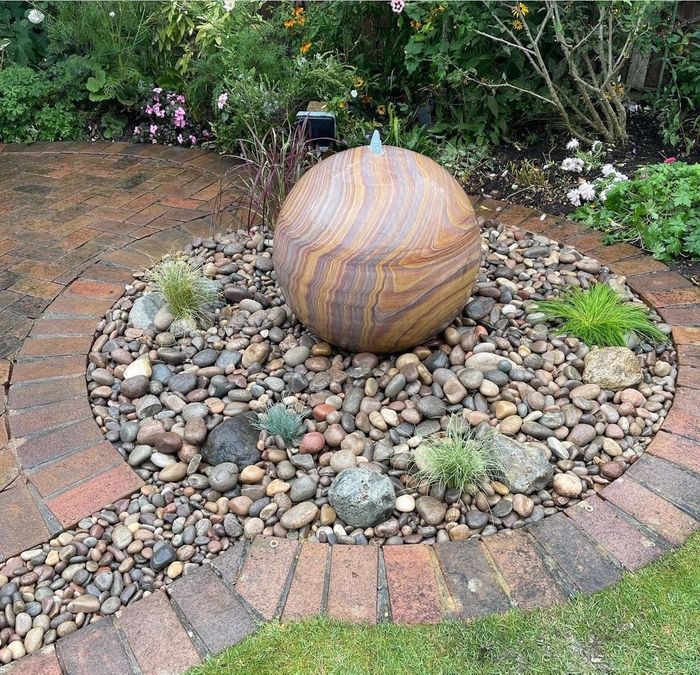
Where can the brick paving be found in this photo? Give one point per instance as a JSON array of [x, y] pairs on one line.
[[77, 220]]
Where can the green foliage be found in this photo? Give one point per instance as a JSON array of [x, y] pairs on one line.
[[184, 288], [116, 36], [659, 209], [460, 459], [267, 100], [112, 125], [21, 41], [599, 318], [678, 102], [281, 420], [29, 110]]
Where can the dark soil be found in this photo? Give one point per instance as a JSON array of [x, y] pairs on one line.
[[531, 176]]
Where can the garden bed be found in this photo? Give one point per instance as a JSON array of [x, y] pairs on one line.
[[173, 403]]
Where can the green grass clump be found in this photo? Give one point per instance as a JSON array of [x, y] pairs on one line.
[[599, 317], [648, 623], [280, 420], [183, 287], [459, 459]]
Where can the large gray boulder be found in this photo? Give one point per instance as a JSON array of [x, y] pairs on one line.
[[362, 498], [144, 310], [524, 466], [612, 368], [234, 440]]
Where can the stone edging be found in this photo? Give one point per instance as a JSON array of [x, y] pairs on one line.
[[652, 508]]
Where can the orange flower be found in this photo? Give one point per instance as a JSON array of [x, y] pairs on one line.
[[305, 47], [297, 11], [381, 110], [289, 23], [416, 25], [301, 20], [366, 98]]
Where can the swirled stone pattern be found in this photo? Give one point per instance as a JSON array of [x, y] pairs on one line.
[[377, 252]]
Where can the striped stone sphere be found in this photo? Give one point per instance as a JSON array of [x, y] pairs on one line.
[[376, 252]]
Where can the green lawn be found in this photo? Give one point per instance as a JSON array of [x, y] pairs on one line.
[[649, 623]]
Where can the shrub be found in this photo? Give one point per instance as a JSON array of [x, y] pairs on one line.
[[280, 420], [23, 94], [659, 209], [183, 287], [600, 318], [458, 459]]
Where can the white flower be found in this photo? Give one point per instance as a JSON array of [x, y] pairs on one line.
[[607, 169], [111, 14], [572, 164], [586, 191], [619, 177], [353, 93], [574, 197], [229, 5], [572, 144], [35, 16], [597, 146]]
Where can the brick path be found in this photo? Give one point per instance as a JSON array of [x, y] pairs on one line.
[[75, 221]]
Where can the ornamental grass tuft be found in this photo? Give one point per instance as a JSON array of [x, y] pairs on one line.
[[184, 288], [600, 318], [462, 458], [280, 420]]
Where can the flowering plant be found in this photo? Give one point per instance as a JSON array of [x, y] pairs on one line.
[[166, 121]]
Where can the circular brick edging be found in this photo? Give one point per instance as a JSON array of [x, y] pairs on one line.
[[635, 519]]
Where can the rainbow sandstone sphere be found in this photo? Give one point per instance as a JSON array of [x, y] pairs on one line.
[[377, 252]]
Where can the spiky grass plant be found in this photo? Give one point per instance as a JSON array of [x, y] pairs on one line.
[[462, 458], [281, 420], [599, 317], [184, 288]]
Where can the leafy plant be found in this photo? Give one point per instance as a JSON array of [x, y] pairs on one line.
[[600, 318], [458, 459], [527, 174], [660, 209], [24, 92], [677, 99], [184, 288], [22, 37], [281, 420], [112, 125]]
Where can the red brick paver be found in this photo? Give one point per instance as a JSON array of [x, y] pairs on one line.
[[414, 587], [650, 509], [156, 637], [212, 610], [352, 592], [621, 539], [265, 572], [308, 585], [94, 649], [530, 583]]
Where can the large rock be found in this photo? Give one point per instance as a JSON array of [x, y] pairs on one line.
[[144, 311], [612, 368], [362, 498], [235, 441], [524, 467]]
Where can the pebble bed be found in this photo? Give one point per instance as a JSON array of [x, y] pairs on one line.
[[177, 404]]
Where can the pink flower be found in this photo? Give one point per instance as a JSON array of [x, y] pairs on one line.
[[205, 133], [180, 98], [137, 131], [221, 101], [153, 129], [180, 139], [179, 117], [149, 110], [193, 140], [398, 5], [669, 160], [157, 90]]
